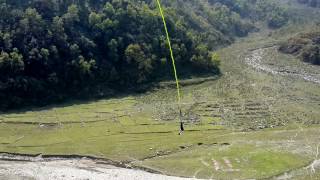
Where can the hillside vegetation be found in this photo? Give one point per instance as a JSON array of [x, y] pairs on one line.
[[306, 46], [311, 3], [51, 50]]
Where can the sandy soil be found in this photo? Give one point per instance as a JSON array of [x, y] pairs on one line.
[[80, 169]]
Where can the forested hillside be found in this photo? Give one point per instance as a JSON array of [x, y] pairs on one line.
[[53, 49]]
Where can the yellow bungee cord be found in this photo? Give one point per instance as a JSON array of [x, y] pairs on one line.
[[174, 66]]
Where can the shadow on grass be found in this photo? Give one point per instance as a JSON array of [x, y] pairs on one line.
[[116, 93]]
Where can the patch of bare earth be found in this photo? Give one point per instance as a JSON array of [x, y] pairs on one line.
[[71, 169]]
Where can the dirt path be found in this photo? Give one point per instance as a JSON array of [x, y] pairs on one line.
[[255, 60], [73, 169]]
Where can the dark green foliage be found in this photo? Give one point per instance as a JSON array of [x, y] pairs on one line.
[[311, 3], [267, 10], [306, 46], [311, 53], [277, 19]]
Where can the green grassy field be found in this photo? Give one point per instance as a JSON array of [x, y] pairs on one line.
[[244, 124]]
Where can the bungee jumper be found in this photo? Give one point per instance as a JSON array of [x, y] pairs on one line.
[[174, 67], [181, 123]]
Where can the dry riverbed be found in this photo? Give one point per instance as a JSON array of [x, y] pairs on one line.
[[71, 169]]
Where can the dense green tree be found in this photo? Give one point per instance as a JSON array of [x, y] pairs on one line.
[[136, 56], [11, 64]]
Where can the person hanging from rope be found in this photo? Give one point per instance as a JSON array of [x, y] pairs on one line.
[[181, 123], [174, 67]]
